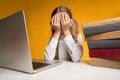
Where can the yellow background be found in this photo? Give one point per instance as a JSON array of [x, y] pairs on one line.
[[38, 16]]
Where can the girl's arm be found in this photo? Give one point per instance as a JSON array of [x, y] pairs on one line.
[[50, 50], [74, 49]]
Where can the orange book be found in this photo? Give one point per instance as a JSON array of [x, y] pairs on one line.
[[105, 63], [101, 22]]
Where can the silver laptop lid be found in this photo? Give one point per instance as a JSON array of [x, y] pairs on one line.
[[14, 45]]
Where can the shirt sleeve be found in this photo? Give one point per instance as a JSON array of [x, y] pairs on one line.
[[74, 49], [50, 50]]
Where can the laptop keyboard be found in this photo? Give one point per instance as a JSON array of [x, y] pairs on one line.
[[37, 65]]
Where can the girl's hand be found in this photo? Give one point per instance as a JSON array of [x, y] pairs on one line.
[[66, 23], [55, 24]]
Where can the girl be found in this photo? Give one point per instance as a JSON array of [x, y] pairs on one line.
[[66, 41]]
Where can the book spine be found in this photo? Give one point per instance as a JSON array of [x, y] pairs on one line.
[[113, 54], [105, 63], [103, 36], [97, 44], [101, 29], [102, 22]]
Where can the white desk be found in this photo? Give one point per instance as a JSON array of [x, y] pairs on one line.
[[65, 71]]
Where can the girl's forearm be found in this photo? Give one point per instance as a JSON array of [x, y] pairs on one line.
[[56, 35]]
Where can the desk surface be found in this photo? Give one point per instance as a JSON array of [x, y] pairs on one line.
[[65, 71]]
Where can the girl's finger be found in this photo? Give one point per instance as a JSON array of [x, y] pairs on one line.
[[62, 18], [52, 20], [59, 19], [71, 22], [55, 20], [67, 18]]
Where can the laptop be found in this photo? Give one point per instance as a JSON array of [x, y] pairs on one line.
[[14, 46]]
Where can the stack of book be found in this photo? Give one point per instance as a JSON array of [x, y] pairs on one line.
[[103, 39]]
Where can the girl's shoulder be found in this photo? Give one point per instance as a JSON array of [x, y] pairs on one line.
[[80, 35], [80, 38]]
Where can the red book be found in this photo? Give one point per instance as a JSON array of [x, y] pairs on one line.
[[113, 54]]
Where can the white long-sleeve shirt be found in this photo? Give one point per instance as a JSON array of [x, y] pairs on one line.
[[68, 49]]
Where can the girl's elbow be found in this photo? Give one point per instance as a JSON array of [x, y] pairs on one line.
[[75, 59], [48, 58]]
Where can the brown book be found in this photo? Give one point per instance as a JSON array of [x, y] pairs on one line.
[[101, 22], [105, 63], [106, 35]]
